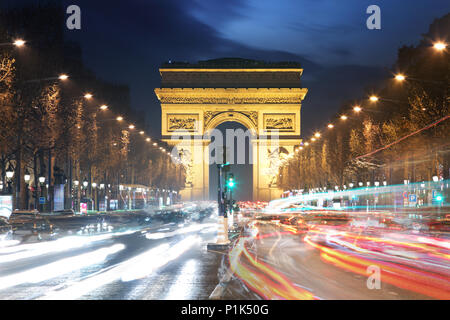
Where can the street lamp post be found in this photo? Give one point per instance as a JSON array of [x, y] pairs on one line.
[[76, 183], [85, 185], [95, 195], [41, 182], [9, 176], [27, 178]]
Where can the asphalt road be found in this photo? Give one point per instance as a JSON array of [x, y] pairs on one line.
[[157, 261], [275, 264], [138, 258]]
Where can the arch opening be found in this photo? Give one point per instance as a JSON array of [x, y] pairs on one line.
[[237, 150]]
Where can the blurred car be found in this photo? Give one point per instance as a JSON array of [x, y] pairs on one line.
[[438, 225], [5, 227]]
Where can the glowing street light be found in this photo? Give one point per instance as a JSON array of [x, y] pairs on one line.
[[119, 118], [141, 132], [88, 96], [313, 139], [306, 143], [148, 139], [104, 107], [9, 173], [374, 98], [400, 77], [317, 134], [357, 109], [344, 117], [131, 127], [440, 46], [63, 77], [330, 126], [19, 43], [27, 176]]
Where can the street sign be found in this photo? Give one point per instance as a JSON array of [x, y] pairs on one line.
[[83, 207], [6, 206], [113, 204], [412, 198], [41, 200]]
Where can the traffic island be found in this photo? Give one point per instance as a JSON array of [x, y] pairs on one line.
[[218, 246], [222, 243]]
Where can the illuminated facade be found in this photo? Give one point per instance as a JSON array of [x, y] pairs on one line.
[[265, 98]]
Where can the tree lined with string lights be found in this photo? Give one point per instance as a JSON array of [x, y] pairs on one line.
[[62, 128], [399, 133]]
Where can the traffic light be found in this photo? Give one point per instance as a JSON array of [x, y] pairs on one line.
[[230, 182]]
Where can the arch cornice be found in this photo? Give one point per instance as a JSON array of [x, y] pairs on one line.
[[231, 95]]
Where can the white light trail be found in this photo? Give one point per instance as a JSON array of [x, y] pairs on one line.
[[59, 268], [192, 228], [31, 250], [132, 269], [182, 288]]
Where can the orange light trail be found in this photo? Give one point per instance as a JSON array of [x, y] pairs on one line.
[[267, 282], [422, 282]]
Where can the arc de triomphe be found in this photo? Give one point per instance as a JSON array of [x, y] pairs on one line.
[[264, 97]]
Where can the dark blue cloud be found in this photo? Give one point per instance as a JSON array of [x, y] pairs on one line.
[[126, 41]]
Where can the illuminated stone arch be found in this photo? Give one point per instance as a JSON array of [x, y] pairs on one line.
[[264, 97]]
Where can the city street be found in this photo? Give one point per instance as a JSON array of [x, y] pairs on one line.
[[282, 265], [167, 261], [297, 256], [205, 151]]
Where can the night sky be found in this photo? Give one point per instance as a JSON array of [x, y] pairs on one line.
[[126, 41]]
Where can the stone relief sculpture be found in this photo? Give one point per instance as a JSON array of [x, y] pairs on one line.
[[276, 158], [182, 122], [282, 122], [186, 160]]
